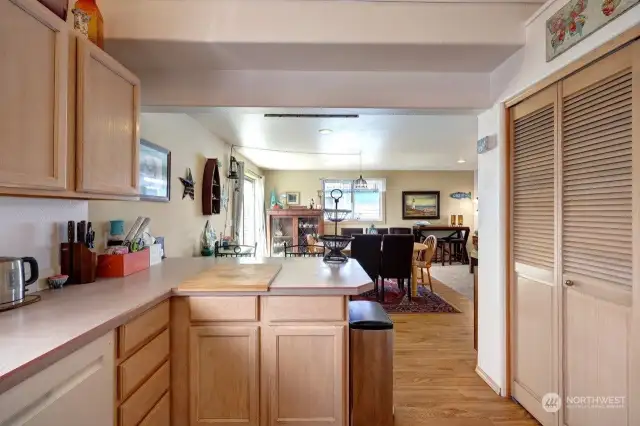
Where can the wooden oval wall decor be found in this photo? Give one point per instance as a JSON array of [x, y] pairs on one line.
[[211, 187]]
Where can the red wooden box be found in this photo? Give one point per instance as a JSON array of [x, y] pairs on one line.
[[121, 265]]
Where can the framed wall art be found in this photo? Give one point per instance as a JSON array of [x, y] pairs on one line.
[[293, 198], [578, 19], [155, 172], [420, 205]]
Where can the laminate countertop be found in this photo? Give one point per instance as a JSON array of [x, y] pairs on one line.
[[35, 336]]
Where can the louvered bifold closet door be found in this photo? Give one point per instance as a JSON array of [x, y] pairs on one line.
[[533, 187], [533, 136], [597, 133]]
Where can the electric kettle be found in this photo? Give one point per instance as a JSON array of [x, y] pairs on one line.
[[12, 279]]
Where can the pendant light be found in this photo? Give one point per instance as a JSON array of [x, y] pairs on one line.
[[360, 183]]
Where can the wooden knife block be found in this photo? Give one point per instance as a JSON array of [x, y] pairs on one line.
[[78, 262]]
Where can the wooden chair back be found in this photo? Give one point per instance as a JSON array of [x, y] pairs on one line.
[[432, 244]]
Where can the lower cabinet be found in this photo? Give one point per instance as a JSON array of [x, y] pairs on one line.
[[304, 374], [75, 391], [224, 363], [283, 364]]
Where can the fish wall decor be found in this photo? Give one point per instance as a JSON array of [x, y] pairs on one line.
[[460, 195]]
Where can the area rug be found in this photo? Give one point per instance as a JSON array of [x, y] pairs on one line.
[[456, 277], [397, 302]]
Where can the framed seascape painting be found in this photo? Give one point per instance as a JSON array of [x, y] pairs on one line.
[[421, 205], [155, 172]]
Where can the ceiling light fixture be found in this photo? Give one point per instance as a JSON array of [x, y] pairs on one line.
[[325, 131], [360, 183], [461, 161]]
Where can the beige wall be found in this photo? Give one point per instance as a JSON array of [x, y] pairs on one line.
[[308, 183], [180, 221]]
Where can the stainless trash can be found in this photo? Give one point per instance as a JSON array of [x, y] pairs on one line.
[[371, 365]]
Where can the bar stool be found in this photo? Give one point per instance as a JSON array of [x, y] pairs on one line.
[[441, 248]]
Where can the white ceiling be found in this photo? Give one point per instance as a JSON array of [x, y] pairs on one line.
[[388, 140]]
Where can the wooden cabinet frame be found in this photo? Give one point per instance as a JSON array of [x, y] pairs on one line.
[[61, 82], [86, 53]]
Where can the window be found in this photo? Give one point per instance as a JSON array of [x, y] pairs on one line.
[[367, 205], [249, 213]]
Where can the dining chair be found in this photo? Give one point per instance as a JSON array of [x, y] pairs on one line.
[[382, 231], [397, 260], [303, 250], [400, 231], [348, 232], [422, 258], [365, 248], [234, 250], [314, 245]]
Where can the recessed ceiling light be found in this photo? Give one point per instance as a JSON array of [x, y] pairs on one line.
[[325, 131], [460, 161]]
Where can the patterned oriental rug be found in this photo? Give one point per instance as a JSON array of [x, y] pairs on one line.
[[397, 302]]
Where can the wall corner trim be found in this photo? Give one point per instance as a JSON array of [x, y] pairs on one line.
[[484, 376]]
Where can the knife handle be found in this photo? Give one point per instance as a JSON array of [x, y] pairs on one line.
[[89, 239], [71, 232], [82, 232]]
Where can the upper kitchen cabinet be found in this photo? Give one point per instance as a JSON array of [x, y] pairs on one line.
[[34, 60], [108, 111]]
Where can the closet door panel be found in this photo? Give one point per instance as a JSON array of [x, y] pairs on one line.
[[597, 239], [534, 330]]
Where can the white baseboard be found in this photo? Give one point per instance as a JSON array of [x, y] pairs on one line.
[[484, 376]]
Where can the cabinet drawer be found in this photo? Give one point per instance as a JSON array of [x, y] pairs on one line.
[[160, 415], [141, 364], [224, 308], [134, 409], [140, 329], [297, 308]]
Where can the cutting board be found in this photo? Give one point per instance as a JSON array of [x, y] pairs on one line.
[[233, 277]]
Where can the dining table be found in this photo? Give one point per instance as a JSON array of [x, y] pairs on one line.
[[462, 232]]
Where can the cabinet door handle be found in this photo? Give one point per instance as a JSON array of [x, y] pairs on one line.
[[568, 283]]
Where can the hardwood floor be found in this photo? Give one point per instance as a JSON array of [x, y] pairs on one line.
[[435, 381]]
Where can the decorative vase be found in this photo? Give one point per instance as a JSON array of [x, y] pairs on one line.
[[96, 24], [208, 240]]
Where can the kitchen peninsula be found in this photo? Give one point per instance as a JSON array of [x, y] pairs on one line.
[[175, 357]]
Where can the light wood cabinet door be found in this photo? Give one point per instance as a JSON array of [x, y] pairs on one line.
[[304, 370], [108, 114], [74, 391], [34, 56], [224, 370]]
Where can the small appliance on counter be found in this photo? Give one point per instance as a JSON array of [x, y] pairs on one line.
[[13, 282]]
